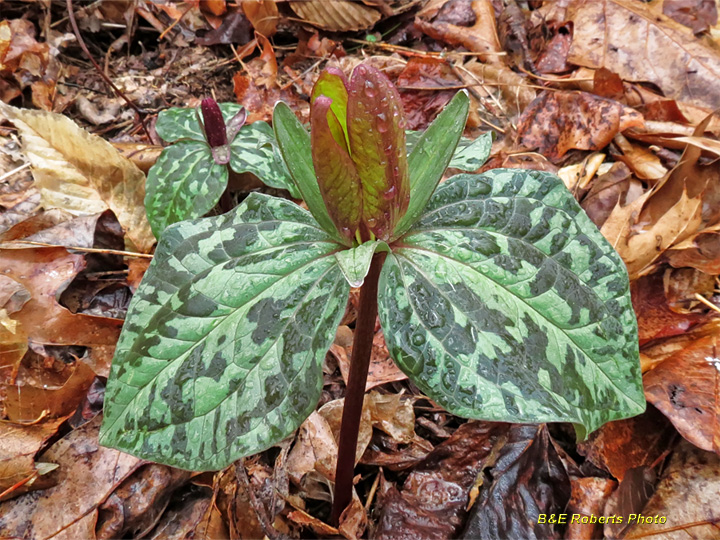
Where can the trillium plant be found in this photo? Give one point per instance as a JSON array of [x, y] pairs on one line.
[[497, 295]]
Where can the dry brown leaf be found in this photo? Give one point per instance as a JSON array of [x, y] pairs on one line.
[[643, 162], [338, 16], [698, 15], [642, 244], [18, 446], [606, 191], [81, 173], [650, 48], [382, 368], [87, 473], [194, 517], [481, 37], [686, 388], [263, 15], [686, 496], [555, 122], [704, 143], [515, 91], [701, 251]]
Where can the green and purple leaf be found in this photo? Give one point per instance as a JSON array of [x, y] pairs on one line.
[[294, 143], [336, 174], [332, 83], [377, 146], [220, 356], [430, 156], [504, 302]]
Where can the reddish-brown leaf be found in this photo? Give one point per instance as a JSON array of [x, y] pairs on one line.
[[555, 122]]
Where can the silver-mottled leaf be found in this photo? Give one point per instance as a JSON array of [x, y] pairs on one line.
[[176, 123], [504, 302], [255, 150], [184, 183], [221, 353], [355, 262]]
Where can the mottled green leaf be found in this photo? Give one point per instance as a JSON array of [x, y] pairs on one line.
[[355, 262], [504, 302], [184, 183], [177, 123], [336, 174], [377, 146], [470, 154], [220, 356], [294, 143], [254, 150], [430, 156], [333, 84]]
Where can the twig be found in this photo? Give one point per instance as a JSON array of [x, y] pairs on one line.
[[81, 42], [18, 244]]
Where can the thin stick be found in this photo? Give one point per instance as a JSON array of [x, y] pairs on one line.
[[352, 411], [81, 42], [17, 244]]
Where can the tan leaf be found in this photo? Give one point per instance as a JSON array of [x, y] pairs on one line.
[[263, 15], [339, 15], [81, 173], [639, 44]]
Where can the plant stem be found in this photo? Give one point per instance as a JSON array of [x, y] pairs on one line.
[[355, 393]]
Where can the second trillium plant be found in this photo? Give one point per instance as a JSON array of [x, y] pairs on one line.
[[497, 295]]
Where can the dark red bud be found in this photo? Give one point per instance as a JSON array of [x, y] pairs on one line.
[[214, 123]]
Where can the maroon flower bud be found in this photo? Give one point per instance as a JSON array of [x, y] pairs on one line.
[[214, 124]]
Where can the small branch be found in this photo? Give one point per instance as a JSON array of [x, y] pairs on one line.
[[81, 42], [357, 378]]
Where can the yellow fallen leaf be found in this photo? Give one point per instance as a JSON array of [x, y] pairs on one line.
[[81, 173]]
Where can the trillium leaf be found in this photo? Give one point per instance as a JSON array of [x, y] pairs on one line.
[[294, 143], [333, 84], [504, 302], [336, 174], [184, 183], [220, 356], [177, 123], [255, 150], [377, 146], [470, 154], [430, 157], [355, 262]]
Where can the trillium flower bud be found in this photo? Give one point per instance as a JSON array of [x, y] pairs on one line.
[[358, 151]]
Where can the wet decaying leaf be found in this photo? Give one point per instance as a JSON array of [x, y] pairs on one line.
[[340, 15], [686, 496], [650, 48], [625, 444], [655, 318], [558, 121], [434, 497], [194, 516], [44, 272], [686, 388], [69, 510], [135, 506], [529, 479], [19, 473]]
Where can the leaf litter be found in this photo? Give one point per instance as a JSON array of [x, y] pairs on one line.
[[626, 118]]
